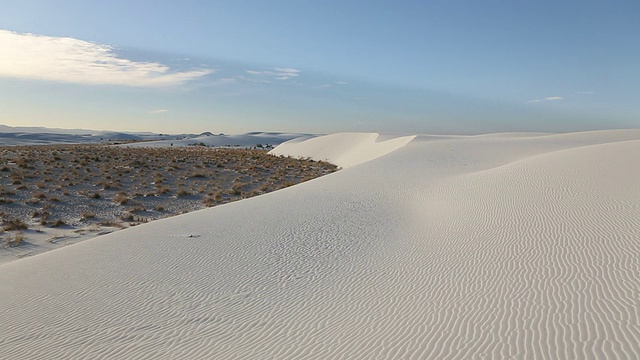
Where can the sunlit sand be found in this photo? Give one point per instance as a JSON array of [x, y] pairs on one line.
[[428, 247]]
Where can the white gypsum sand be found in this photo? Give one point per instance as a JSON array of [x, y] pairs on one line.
[[345, 149], [494, 246]]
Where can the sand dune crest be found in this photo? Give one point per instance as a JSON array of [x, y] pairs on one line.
[[343, 149]]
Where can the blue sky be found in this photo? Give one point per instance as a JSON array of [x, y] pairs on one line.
[[320, 66]]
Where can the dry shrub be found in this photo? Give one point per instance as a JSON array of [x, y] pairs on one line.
[[58, 223], [121, 198], [14, 224], [197, 175], [183, 192], [137, 208], [163, 190], [88, 215], [209, 202], [17, 240], [237, 188]]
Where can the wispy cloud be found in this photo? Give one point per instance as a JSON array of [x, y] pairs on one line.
[[64, 59], [159, 111], [586, 92], [276, 73], [548, 98], [324, 86]]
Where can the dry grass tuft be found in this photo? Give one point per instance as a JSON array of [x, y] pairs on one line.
[[121, 198], [17, 239], [14, 224]]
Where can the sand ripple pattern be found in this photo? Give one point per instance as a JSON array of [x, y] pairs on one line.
[[450, 248]]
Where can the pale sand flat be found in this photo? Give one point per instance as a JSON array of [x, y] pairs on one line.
[[447, 248]]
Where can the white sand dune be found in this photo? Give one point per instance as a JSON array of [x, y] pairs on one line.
[[345, 149], [476, 247], [235, 140], [12, 136]]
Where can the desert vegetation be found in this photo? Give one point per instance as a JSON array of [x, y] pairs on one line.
[[80, 185]]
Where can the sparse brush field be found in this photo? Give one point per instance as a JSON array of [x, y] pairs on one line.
[[77, 186]]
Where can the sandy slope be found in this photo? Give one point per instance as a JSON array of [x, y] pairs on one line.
[[345, 150], [491, 246]]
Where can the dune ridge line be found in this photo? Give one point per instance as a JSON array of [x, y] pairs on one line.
[[342, 149]]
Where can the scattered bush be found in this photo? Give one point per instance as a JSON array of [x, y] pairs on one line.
[[198, 172], [58, 223], [183, 192], [17, 240], [14, 224], [237, 189], [121, 198], [88, 215]]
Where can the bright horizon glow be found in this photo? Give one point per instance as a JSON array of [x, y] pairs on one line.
[[235, 67]]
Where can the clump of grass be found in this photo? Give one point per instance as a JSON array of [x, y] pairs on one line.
[[183, 192], [137, 208], [17, 240], [39, 195], [14, 224], [163, 190], [197, 175], [209, 201], [88, 215], [5, 192], [237, 189], [58, 223], [121, 198], [111, 223]]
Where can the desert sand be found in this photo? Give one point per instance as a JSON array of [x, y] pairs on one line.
[[464, 247]]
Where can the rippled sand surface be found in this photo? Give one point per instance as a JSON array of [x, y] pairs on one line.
[[498, 246]]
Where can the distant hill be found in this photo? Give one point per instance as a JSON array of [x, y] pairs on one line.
[[11, 136]]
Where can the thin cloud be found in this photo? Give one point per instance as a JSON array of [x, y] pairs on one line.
[[342, 83], [159, 111], [586, 92], [548, 98], [65, 59], [276, 73]]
